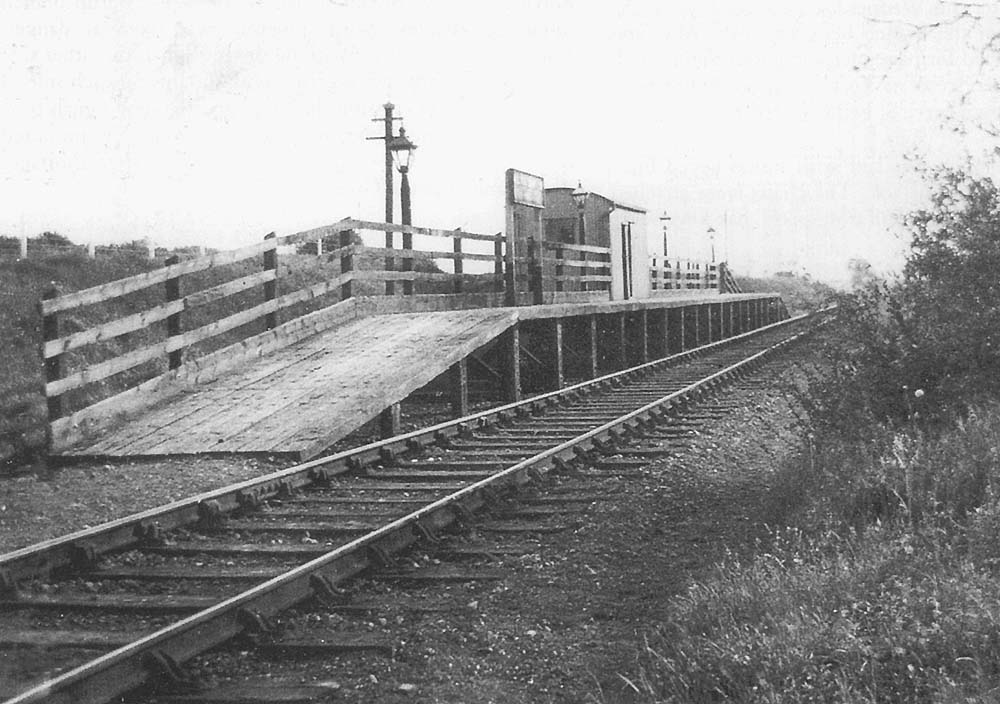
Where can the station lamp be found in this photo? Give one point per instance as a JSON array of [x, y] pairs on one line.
[[402, 150]]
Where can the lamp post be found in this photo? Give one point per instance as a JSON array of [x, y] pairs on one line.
[[664, 219], [711, 242], [580, 198], [402, 151]]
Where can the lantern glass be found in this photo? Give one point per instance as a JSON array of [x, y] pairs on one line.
[[402, 150]]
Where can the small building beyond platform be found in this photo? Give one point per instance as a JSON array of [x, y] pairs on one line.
[[298, 400]]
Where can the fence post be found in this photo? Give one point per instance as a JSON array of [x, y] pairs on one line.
[[390, 261], [173, 287], [510, 274], [459, 268], [53, 365], [408, 263], [24, 246], [346, 263], [498, 263], [534, 271], [150, 249], [560, 270], [91, 251], [319, 247], [271, 287]]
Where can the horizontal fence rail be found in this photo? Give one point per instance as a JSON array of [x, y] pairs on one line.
[[665, 274]]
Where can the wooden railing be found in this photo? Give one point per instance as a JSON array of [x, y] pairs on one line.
[[166, 319], [459, 280], [668, 274], [555, 267], [579, 267]]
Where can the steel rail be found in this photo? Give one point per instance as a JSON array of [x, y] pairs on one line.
[[38, 560], [128, 667]]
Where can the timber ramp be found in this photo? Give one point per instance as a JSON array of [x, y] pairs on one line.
[[309, 395]]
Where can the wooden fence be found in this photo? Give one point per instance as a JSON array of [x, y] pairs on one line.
[[667, 274], [236, 297], [196, 318]]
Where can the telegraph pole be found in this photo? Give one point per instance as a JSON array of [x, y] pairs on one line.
[[387, 138], [390, 286]]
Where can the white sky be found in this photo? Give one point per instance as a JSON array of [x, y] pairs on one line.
[[216, 122]]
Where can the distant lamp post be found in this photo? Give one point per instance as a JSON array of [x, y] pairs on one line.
[[711, 242], [665, 219], [580, 198]]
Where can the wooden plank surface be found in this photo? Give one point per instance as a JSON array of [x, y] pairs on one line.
[[307, 396]]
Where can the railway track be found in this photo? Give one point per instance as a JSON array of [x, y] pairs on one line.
[[94, 615]]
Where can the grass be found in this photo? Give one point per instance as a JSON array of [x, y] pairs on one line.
[[882, 587]]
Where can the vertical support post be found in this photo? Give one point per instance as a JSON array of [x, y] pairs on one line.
[[560, 270], [459, 264], [390, 261], [555, 344], [53, 364], [459, 383], [510, 364], [346, 264], [621, 342], [666, 332], [534, 271], [408, 262], [173, 290], [592, 347], [271, 287], [389, 421], [498, 271], [696, 309], [511, 254], [682, 328], [644, 316], [710, 320]]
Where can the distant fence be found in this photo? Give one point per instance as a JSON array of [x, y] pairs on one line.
[[667, 274], [32, 249]]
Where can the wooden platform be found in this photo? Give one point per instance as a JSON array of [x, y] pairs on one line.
[[307, 396]]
